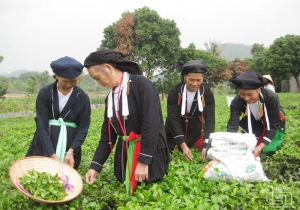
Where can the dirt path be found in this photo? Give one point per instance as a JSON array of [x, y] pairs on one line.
[[16, 114], [12, 95], [31, 113]]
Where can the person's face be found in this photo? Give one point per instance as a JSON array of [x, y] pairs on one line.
[[101, 74], [193, 81], [66, 84], [250, 95]]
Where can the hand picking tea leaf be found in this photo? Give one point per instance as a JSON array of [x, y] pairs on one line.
[[43, 185]]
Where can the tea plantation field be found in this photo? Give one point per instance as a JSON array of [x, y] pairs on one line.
[[182, 188]]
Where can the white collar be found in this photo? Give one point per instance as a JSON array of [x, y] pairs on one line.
[[125, 110], [249, 116], [183, 104]]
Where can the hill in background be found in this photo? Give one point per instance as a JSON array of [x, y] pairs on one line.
[[230, 51], [15, 73]]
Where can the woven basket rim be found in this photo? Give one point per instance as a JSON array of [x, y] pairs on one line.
[[16, 174]]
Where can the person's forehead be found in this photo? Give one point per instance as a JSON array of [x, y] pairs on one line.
[[67, 79], [93, 71], [194, 75], [247, 91]]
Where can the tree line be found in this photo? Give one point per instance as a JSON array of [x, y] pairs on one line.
[[30, 82], [153, 42]]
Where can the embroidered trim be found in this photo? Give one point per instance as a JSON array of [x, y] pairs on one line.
[[145, 155], [267, 139], [178, 136], [243, 129], [97, 163]]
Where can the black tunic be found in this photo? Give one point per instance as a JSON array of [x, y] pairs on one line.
[[175, 122], [238, 107], [145, 117], [76, 110]]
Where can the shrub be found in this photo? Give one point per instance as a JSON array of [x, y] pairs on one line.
[[3, 85]]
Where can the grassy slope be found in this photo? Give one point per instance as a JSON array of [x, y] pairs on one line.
[[182, 188]]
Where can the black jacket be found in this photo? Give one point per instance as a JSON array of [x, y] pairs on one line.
[[76, 110], [238, 107], [145, 118], [175, 122]]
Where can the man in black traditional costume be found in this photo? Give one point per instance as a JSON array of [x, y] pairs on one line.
[[133, 122], [62, 115], [191, 109], [262, 104]]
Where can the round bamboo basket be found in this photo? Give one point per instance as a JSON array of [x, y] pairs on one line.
[[49, 165]]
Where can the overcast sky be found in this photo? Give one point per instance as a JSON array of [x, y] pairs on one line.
[[35, 32]]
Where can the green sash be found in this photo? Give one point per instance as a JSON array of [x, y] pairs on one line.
[[276, 141], [62, 138], [132, 155]]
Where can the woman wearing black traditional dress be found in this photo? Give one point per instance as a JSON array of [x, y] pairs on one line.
[[62, 115], [267, 119], [191, 109], [133, 122]]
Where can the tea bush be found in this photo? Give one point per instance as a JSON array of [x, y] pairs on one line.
[[182, 188]]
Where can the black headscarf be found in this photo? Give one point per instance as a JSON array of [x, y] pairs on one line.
[[193, 66], [248, 80], [114, 58], [66, 67]]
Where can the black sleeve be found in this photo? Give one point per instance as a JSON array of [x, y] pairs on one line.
[[83, 125], [209, 114], [273, 108], [236, 108], [174, 118], [103, 149], [42, 122], [150, 116]]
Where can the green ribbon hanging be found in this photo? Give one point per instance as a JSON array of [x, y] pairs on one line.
[[129, 164], [62, 138]]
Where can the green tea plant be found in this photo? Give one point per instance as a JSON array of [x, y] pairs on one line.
[[284, 165], [182, 188], [27, 103], [43, 185], [97, 100], [17, 104]]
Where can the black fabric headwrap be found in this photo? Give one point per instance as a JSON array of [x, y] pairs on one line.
[[112, 57], [193, 66], [248, 80]]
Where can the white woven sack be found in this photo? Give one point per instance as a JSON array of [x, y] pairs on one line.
[[233, 158]]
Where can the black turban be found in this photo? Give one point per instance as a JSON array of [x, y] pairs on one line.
[[248, 80], [193, 66], [112, 57], [66, 67]]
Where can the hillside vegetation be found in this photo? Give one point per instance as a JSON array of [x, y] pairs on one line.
[[230, 51]]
